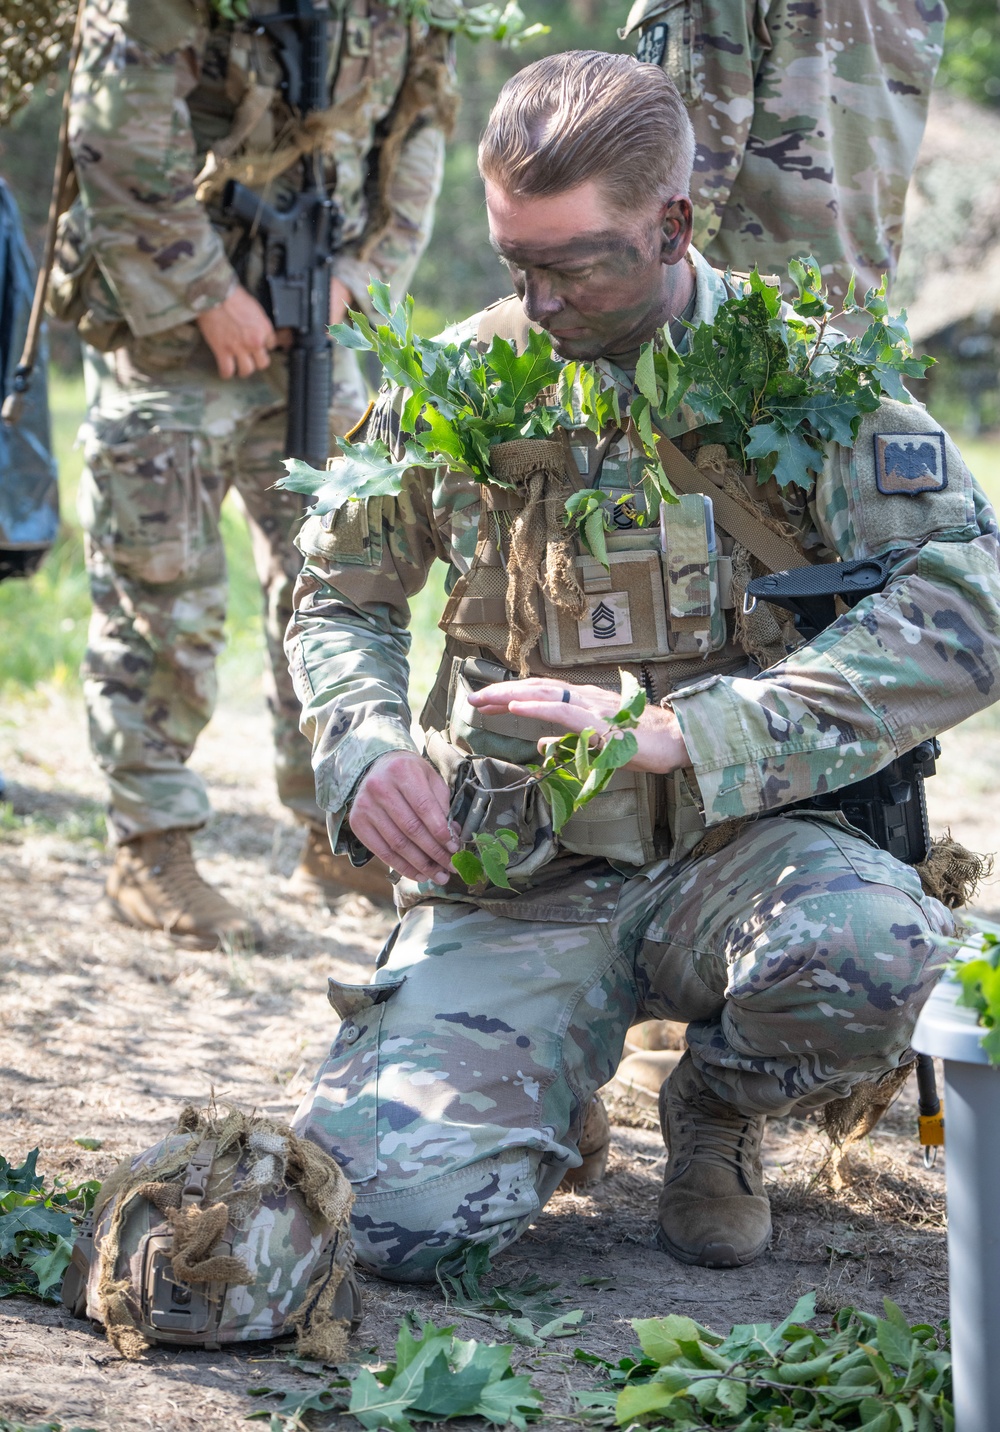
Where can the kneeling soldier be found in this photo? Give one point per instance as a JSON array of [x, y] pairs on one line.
[[713, 883]]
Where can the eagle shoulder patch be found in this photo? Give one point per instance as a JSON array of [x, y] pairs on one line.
[[909, 464]]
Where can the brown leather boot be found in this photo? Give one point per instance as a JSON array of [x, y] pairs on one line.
[[713, 1208], [641, 1075], [595, 1142], [322, 877], [154, 884]]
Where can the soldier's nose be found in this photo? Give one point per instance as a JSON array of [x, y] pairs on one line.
[[541, 302]]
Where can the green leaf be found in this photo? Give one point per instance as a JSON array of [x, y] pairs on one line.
[[349, 335], [561, 795], [645, 375], [48, 1265], [469, 867], [23, 1179], [619, 748], [495, 852], [30, 1217], [895, 1345], [445, 1392], [660, 1338], [376, 1406], [791, 457], [509, 1400], [523, 376], [564, 1325], [294, 1404], [641, 1399], [731, 1395], [810, 300], [442, 439], [365, 470]]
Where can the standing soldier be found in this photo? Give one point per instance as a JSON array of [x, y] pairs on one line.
[[807, 122], [186, 391]]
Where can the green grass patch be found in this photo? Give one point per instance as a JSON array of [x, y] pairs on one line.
[[87, 822]]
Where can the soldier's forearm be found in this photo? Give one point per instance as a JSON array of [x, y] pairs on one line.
[[351, 675], [898, 668]]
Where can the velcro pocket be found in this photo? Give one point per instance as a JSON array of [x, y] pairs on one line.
[[618, 824], [509, 737], [352, 535]]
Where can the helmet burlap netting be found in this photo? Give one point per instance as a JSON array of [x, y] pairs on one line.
[[35, 36]]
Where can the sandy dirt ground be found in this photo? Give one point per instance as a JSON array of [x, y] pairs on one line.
[[106, 1032]]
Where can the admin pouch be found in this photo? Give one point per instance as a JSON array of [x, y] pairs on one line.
[[230, 1230], [484, 760]]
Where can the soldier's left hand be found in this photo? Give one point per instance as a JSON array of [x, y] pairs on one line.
[[577, 708]]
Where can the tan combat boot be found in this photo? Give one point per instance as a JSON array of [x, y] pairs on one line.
[[652, 1053], [713, 1209], [595, 1142], [154, 885], [322, 877], [642, 1074]]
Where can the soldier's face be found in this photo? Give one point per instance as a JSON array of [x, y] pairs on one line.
[[597, 280]]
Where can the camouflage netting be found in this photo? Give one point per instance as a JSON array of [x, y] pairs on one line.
[[541, 550], [271, 1158], [35, 36]]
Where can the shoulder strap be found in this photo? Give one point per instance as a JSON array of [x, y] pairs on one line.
[[505, 319], [750, 532]]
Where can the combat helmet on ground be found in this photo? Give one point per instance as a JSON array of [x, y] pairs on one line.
[[229, 1230]]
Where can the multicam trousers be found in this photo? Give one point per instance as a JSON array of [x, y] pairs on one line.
[[161, 452], [455, 1092]]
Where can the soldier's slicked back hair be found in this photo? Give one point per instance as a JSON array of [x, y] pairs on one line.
[[585, 115]]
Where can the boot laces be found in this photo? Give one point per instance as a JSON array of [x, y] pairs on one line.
[[176, 871], [725, 1142]]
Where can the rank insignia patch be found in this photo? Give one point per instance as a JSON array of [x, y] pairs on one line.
[[908, 464]]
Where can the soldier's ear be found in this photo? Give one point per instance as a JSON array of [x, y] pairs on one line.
[[675, 229]]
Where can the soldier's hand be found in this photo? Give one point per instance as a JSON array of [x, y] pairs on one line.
[[575, 708], [239, 333], [400, 812]]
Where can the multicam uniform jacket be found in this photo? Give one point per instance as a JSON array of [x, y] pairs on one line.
[[807, 119], [898, 667], [170, 100]]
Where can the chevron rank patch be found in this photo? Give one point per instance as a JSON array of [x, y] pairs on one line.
[[908, 464]]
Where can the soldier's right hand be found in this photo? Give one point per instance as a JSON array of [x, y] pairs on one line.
[[400, 812], [239, 333]]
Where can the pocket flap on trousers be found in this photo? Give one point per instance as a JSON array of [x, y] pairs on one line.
[[350, 999]]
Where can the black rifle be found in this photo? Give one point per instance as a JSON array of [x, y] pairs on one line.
[[299, 241], [889, 806]]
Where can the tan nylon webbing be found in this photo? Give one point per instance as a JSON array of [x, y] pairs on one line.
[[776, 554], [504, 320]]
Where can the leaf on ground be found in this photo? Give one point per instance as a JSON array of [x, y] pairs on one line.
[[49, 1265], [438, 1376], [31, 1218], [641, 1399]]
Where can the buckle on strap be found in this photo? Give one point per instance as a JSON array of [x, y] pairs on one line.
[[197, 1173]]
